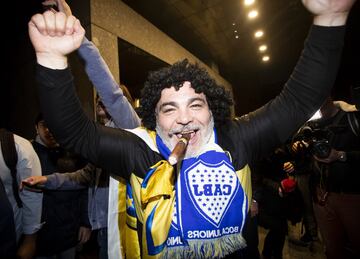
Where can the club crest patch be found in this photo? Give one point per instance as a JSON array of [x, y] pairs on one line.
[[211, 188]]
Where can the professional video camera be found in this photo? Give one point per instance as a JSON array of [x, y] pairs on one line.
[[316, 138]]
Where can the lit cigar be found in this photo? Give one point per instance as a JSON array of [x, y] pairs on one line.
[[179, 149]]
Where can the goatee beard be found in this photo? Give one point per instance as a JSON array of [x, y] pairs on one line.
[[189, 152]]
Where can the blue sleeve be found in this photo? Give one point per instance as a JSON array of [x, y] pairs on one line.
[[109, 91]]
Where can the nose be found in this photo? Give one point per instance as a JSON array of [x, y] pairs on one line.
[[184, 117]]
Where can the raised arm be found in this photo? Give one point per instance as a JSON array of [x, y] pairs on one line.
[[119, 108], [307, 87], [107, 148], [109, 91]]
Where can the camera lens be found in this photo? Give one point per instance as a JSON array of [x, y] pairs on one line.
[[321, 148]]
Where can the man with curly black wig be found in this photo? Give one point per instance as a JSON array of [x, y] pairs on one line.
[[195, 208], [218, 99]]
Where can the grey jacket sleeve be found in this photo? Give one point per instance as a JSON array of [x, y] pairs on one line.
[[80, 179], [109, 91]]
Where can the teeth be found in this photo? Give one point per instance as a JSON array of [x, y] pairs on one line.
[[187, 132], [181, 134]]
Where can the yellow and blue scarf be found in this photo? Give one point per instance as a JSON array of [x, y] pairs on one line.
[[197, 211]]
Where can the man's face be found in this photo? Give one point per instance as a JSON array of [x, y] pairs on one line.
[[45, 135], [184, 111]]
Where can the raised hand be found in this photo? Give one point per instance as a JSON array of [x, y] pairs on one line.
[[54, 35], [329, 12]]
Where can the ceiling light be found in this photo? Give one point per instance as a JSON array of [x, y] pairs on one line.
[[262, 48], [235, 31], [248, 2], [253, 14], [237, 36], [265, 58], [233, 24], [259, 34]]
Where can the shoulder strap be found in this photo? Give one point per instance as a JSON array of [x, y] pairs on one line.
[[10, 157]]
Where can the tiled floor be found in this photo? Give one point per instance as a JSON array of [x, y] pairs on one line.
[[292, 251]]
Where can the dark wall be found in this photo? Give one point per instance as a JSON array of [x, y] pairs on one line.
[[18, 100]]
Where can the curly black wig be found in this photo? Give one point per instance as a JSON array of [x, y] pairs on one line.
[[218, 98]]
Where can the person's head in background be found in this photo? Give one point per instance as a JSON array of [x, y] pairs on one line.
[[102, 116], [43, 133]]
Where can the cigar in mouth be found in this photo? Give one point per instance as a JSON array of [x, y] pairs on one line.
[[179, 149]]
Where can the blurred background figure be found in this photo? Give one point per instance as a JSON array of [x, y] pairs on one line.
[[64, 213], [335, 182], [277, 200], [333, 144], [20, 212], [302, 165]]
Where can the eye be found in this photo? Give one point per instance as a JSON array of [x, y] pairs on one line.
[[196, 106], [168, 110]]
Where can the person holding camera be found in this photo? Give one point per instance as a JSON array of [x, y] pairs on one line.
[[276, 200], [299, 150], [335, 181]]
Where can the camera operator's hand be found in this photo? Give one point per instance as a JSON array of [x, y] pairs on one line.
[[299, 145], [335, 155], [288, 167]]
